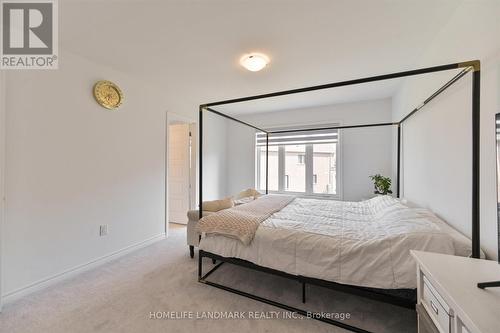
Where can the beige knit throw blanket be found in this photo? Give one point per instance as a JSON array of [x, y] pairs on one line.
[[241, 222]]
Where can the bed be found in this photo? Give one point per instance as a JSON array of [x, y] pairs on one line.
[[354, 244], [363, 243]]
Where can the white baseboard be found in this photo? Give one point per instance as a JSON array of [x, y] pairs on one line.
[[44, 283]]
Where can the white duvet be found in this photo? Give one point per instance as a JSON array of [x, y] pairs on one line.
[[364, 243]]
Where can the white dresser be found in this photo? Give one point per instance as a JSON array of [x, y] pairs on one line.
[[449, 300]]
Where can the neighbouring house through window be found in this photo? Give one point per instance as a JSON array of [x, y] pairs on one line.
[[299, 162]]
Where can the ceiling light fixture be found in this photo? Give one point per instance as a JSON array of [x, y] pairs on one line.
[[254, 62]]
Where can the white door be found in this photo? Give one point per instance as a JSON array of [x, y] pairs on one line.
[[178, 172]]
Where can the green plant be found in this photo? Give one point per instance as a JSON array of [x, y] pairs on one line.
[[382, 184]]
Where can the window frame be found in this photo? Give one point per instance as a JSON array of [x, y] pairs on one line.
[[308, 161]]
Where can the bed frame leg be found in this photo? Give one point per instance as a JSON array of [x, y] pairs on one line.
[[303, 292], [200, 264]]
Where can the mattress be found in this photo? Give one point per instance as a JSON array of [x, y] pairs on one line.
[[363, 243]]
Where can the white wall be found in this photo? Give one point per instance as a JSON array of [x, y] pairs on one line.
[[214, 156], [240, 157], [72, 166], [228, 157], [363, 151], [437, 147], [437, 155]]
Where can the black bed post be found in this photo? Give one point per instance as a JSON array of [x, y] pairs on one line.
[[398, 177], [200, 172], [200, 264], [476, 146], [267, 163]]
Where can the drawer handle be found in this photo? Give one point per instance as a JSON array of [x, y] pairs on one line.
[[434, 307]]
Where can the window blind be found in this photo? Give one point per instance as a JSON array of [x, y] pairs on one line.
[[297, 138]]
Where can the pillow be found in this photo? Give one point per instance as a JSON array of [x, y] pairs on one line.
[[381, 202], [397, 210], [242, 201], [408, 203], [251, 192], [216, 205]]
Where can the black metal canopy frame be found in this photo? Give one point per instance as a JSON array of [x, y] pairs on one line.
[[389, 296]]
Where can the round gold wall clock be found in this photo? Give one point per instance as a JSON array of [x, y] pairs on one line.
[[108, 94]]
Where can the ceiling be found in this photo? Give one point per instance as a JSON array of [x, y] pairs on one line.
[[323, 97], [189, 50]]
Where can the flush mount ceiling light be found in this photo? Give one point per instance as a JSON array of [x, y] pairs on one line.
[[254, 62]]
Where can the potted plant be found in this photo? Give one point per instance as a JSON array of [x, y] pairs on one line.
[[381, 184]]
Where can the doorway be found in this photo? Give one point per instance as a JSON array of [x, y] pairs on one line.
[[181, 169]]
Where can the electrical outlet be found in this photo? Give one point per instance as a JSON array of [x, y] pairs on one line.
[[103, 230]]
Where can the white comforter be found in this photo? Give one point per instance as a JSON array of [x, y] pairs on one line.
[[364, 243]]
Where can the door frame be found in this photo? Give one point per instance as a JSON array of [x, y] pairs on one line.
[[172, 118]]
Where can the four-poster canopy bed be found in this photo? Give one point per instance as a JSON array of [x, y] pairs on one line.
[[401, 297]]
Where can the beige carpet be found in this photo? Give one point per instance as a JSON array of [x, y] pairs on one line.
[[120, 297]]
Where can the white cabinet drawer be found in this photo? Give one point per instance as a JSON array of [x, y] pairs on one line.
[[437, 308]]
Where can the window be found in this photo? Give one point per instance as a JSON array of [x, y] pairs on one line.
[[294, 170], [325, 168], [299, 162], [273, 168]]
